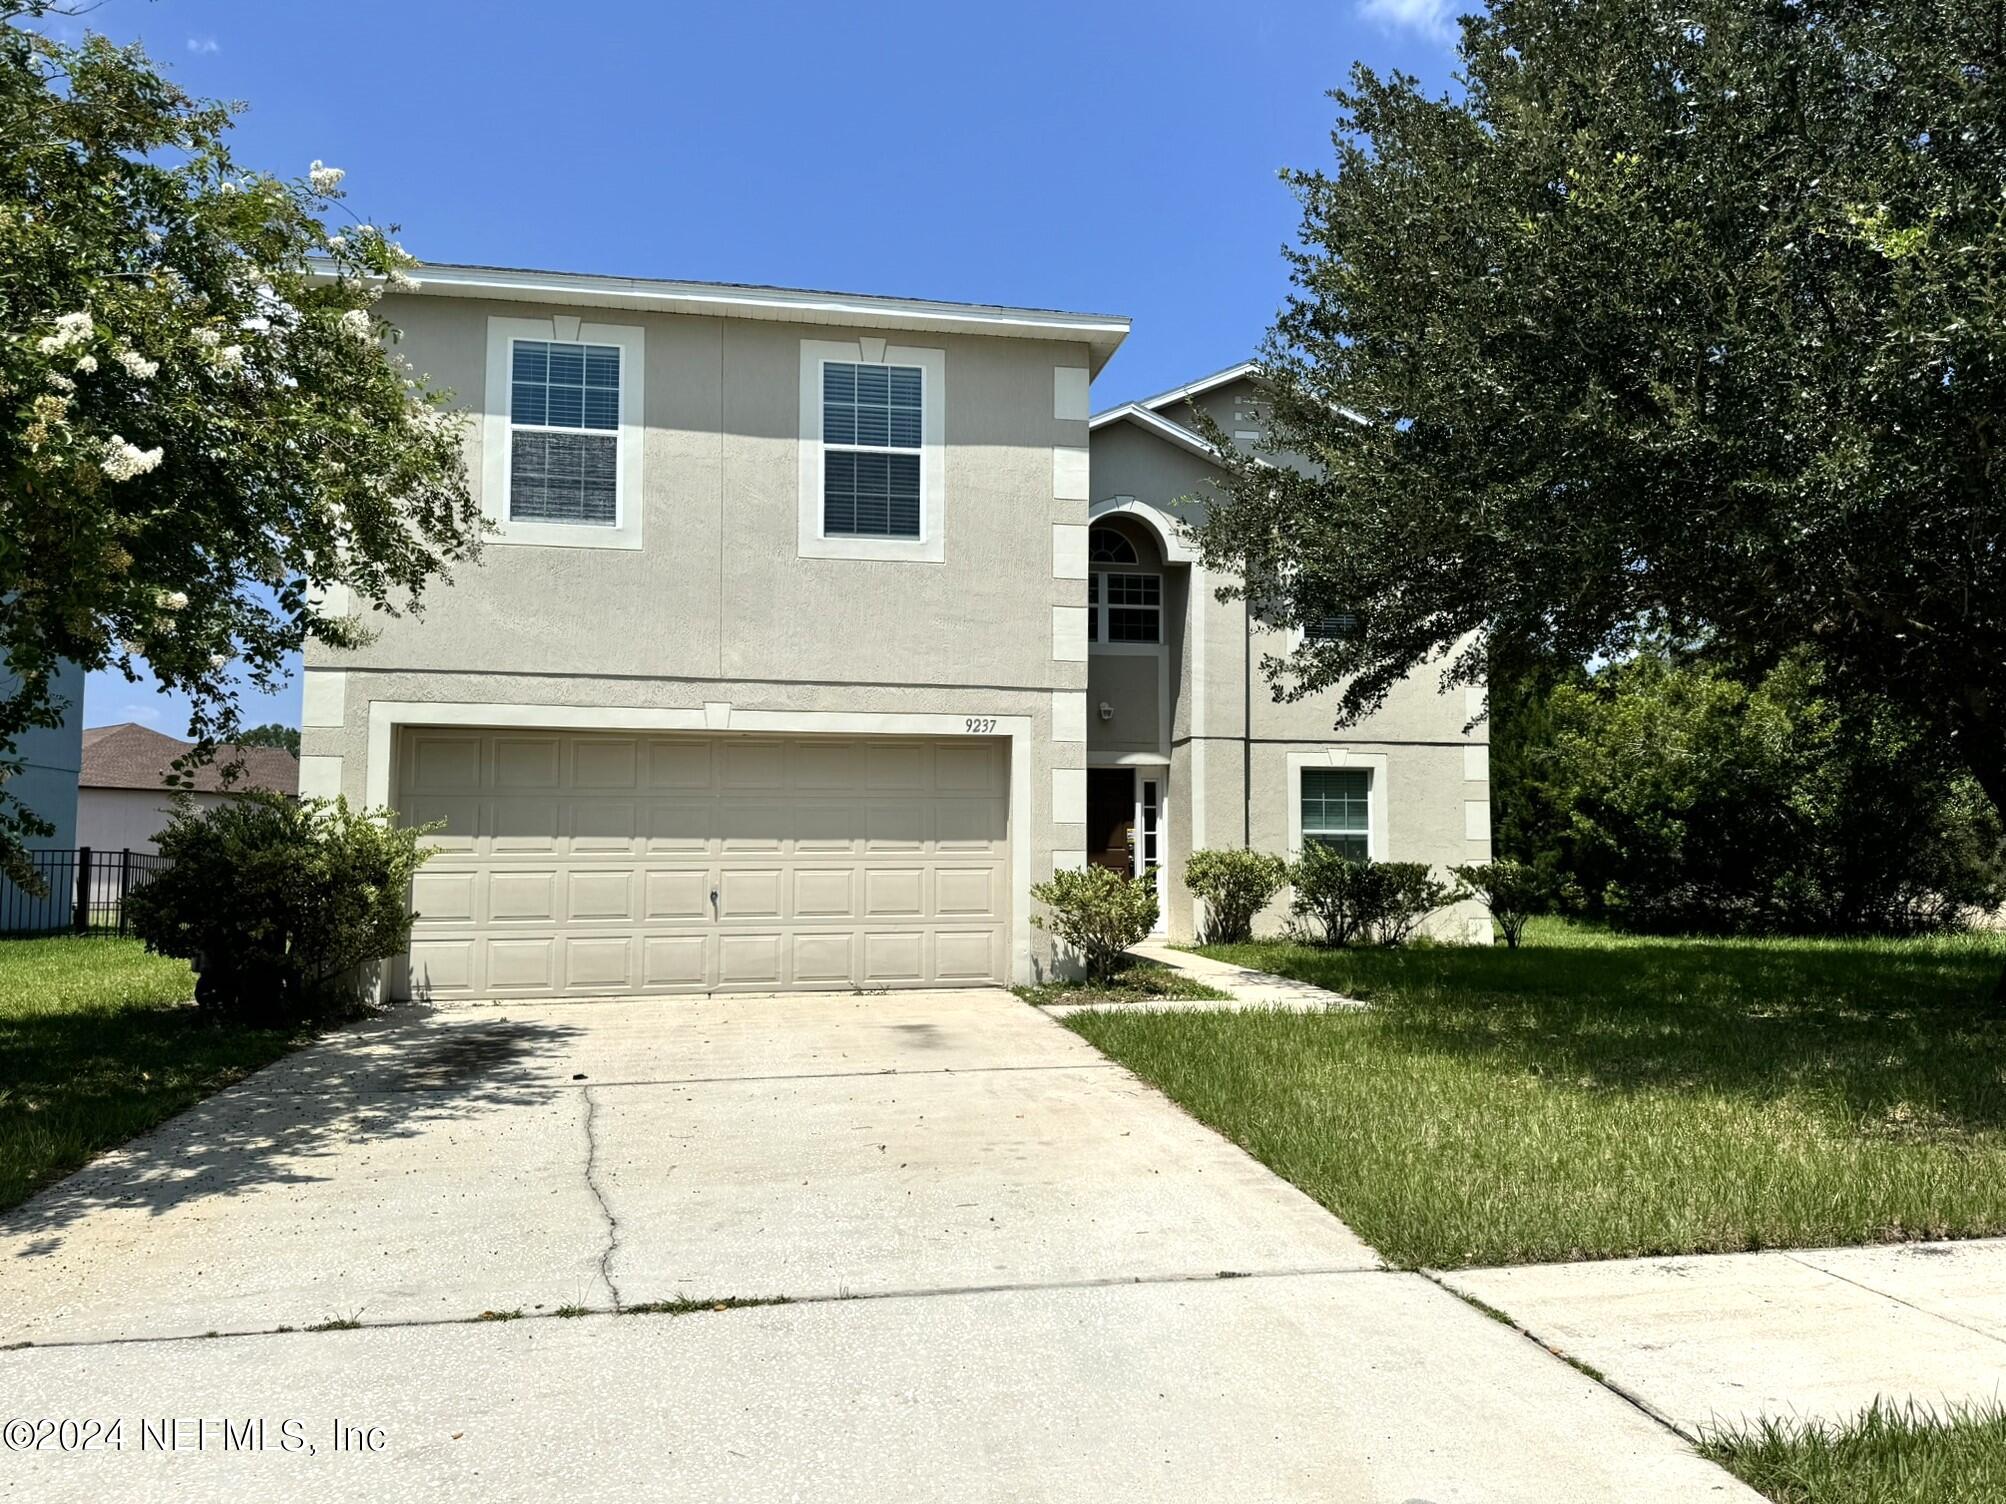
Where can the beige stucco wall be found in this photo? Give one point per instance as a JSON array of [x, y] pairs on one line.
[[716, 607]]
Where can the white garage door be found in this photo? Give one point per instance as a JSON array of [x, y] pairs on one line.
[[577, 864]]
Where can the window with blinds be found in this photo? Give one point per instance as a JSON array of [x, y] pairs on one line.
[[872, 433], [564, 443], [1336, 810]]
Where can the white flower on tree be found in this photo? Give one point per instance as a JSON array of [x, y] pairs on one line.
[[208, 339], [137, 365], [231, 357], [174, 600], [87, 363], [356, 323], [324, 179], [122, 460], [71, 329]]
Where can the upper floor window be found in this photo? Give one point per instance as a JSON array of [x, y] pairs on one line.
[[873, 428], [1124, 607], [1336, 809], [1106, 546], [1333, 626], [564, 422]]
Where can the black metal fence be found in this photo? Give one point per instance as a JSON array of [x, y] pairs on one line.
[[83, 892]]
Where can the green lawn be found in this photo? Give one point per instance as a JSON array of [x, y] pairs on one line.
[[99, 1042], [1591, 1096], [1136, 982], [1883, 1457]]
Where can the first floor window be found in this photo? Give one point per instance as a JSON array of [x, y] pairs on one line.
[[564, 441], [1332, 626], [1335, 810], [872, 431], [1124, 607]]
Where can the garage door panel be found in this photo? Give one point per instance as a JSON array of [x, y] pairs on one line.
[[523, 823], [583, 863], [526, 762], [598, 961], [968, 825], [518, 896], [679, 765], [527, 965], [893, 957], [746, 826], [823, 960], [442, 966], [444, 897], [964, 955], [607, 895], [669, 893], [681, 962], [754, 765], [442, 762], [750, 893], [680, 825], [600, 826], [894, 825], [825, 893], [748, 960], [966, 893]]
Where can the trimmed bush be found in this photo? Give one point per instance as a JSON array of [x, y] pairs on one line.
[[277, 900], [1098, 912], [1235, 886], [1345, 901], [1512, 891]]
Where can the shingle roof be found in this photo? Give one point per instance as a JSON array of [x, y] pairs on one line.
[[130, 756]]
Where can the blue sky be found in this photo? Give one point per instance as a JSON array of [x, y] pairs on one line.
[[1101, 157]]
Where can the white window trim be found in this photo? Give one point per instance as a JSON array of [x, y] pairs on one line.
[[930, 547], [496, 448], [1378, 839], [1097, 612]]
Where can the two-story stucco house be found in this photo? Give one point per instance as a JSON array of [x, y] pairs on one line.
[[775, 671]]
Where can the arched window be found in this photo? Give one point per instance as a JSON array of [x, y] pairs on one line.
[[1106, 546]]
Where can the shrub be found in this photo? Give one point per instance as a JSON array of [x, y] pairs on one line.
[[1345, 901], [276, 900], [1235, 886], [1511, 890], [1098, 912]]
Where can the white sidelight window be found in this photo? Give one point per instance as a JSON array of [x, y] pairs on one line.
[[1336, 809]]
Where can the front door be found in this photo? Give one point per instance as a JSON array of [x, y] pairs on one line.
[[1111, 818]]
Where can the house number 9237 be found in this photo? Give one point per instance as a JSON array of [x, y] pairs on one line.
[[981, 725]]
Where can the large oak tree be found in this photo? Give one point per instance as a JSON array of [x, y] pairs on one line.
[[1679, 315]]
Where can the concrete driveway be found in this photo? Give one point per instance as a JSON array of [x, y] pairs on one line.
[[1014, 1271]]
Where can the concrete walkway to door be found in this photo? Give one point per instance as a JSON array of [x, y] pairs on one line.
[[1014, 1271]]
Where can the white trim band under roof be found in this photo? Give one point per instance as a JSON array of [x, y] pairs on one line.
[[1101, 333], [1201, 386]]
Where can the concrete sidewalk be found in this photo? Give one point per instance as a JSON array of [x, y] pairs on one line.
[[1245, 988], [1726, 1338]]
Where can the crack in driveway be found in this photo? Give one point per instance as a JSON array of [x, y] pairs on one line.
[[599, 1195]]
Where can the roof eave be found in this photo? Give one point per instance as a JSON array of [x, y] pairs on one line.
[[1159, 426], [1102, 334]]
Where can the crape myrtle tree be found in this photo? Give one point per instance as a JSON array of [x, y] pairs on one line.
[[1681, 316], [204, 429]]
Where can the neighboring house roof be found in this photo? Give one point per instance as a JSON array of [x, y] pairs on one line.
[[129, 756], [1102, 333]]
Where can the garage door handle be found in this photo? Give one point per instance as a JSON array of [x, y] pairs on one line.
[[713, 903]]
